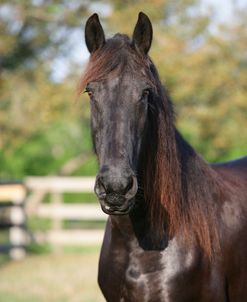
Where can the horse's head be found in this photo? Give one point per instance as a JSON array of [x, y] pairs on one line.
[[118, 81]]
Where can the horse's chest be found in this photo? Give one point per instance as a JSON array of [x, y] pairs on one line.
[[168, 276], [156, 276], [140, 273]]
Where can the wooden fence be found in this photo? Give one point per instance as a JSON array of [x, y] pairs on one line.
[[58, 211], [20, 202]]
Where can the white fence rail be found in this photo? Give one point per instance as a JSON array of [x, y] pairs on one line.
[[60, 184], [65, 211], [71, 237]]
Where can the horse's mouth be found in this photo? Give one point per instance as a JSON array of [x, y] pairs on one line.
[[117, 209]]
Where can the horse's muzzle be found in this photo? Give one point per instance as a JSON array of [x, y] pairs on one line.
[[116, 193]]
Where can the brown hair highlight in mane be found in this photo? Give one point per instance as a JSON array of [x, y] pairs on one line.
[[179, 187]]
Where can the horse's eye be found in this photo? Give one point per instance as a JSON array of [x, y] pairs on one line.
[[145, 92], [88, 91]]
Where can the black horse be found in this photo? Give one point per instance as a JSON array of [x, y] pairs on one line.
[[177, 226]]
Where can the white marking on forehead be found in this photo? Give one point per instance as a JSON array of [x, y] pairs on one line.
[[113, 82]]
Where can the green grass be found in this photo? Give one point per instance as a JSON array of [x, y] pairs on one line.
[[4, 237], [80, 198], [84, 224], [42, 224], [70, 276], [38, 224], [74, 198]]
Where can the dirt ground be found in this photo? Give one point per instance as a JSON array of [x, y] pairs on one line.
[[61, 277]]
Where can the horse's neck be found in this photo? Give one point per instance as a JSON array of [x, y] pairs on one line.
[[122, 224], [135, 227], [196, 172], [199, 185]]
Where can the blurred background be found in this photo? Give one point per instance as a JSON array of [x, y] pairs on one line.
[[49, 217]]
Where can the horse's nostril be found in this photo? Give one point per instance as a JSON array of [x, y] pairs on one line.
[[115, 182], [130, 184], [99, 188], [102, 195], [131, 188], [100, 180]]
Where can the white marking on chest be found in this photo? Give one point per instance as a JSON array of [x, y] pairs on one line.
[[174, 264], [171, 263]]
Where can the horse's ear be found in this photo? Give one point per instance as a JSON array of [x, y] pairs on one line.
[[94, 34], [143, 34]]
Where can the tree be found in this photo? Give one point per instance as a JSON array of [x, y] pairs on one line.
[[33, 106]]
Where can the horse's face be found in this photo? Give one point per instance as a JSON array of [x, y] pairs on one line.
[[118, 117]]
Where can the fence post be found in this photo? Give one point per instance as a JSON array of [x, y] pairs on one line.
[[17, 232], [57, 200], [12, 197]]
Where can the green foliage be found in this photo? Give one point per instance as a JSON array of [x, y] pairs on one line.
[[44, 152], [44, 126], [38, 249], [84, 224], [79, 197], [39, 224]]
